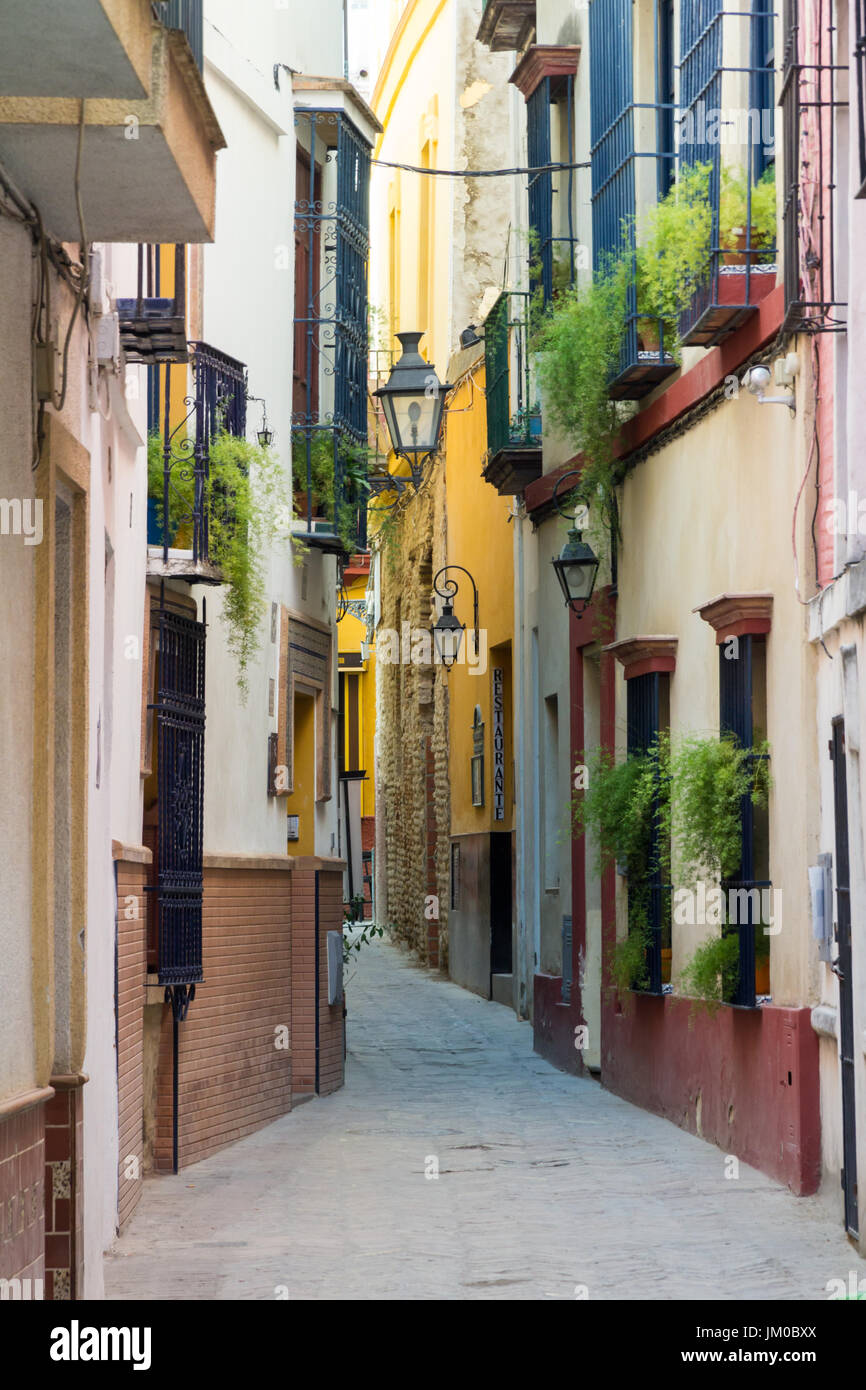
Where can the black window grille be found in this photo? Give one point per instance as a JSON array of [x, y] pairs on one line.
[[180, 721], [665, 92], [737, 674], [762, 96], [809, 101], [644, 356], [330, 417], [552, 250], [647, 704]]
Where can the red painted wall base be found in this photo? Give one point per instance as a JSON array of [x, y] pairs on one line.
[[745, 1079], [553, 1024]]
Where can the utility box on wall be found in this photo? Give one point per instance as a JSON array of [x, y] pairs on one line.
[[335, 967]]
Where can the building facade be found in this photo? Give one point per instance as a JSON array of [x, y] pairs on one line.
[[176, 844]]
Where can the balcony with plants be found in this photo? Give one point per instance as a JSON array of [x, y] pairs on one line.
[[215, 499], [330, 449], [513, 409]]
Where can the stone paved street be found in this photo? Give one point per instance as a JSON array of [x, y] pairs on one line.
[[545, 1182]]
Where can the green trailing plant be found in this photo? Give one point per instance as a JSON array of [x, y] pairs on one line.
[[712, 974], [687, 797], [626, 806], [578, 342], [710, 777], [352, 945], [673, 257], [243, 500]]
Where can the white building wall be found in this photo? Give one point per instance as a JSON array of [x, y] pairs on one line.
[[248, 312]]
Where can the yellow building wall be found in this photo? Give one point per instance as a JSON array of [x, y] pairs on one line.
[[410, 213], [351, 632], [480, 539], [301, 802]]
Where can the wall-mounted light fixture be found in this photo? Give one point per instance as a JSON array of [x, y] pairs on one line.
[[265, 435], [576, 565], [413, 402], [448, 630]]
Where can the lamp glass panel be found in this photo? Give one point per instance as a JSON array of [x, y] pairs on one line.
[[415, 416]]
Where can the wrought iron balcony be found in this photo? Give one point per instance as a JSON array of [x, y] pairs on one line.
[[329, 417], [513, 412], [185, 15], [741, 275], [506, 25], [179, 518], [153, 326]]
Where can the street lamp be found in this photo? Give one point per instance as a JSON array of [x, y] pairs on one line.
[[448, 631], [413, 399], [576, 566], [265, 435]]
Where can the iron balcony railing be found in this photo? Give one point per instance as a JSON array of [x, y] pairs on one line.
[[513, 412], [185, 15], [218, 402], [645, 358], [813, 83], [329, 418], [712, 43]]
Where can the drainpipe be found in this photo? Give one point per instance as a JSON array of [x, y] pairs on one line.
[[346, 39]]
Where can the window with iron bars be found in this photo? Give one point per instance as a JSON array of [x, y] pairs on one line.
[[743, 714], [550, 139], [619, 159], [329, 416], [648, 706]]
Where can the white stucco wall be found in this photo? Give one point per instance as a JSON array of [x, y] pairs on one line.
[[248, 312], [17, 1060]]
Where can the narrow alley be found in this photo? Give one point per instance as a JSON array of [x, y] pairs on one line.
[[548, 1186]]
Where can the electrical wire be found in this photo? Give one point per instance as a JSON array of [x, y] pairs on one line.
[[61, 401], [479, 173]]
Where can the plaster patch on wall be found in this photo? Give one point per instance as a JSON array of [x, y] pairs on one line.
[[474, 93]]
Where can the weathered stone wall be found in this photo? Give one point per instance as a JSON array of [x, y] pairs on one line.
[[413, 731]]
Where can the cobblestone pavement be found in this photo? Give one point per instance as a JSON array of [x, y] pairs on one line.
[[546, 1182]]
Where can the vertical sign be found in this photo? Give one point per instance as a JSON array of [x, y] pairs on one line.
[[498, 745]]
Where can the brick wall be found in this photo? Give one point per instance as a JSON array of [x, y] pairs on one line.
[[22, 1205], [368, 842], [304, 983], [131, 970], [412, 721], [64, 1189], [233, 1078]]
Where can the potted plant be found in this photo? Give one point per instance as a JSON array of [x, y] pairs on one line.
[[734, 235], [673, 256]]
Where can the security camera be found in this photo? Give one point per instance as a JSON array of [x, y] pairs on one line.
[[758, 379]]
